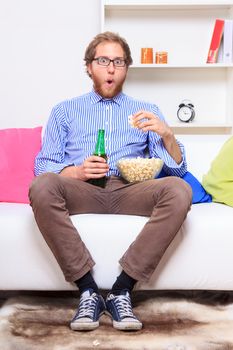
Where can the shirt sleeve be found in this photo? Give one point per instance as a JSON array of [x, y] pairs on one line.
[[51, 158], [158, 150]]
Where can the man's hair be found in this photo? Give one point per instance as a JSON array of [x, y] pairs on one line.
[[107, 37]]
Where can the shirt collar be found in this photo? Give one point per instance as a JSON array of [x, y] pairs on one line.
[[95, 98]]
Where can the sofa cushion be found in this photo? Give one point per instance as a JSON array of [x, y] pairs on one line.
[[219, 179], [199, 194], [18, 148], [199, 257]]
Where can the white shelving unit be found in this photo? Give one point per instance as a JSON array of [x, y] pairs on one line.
[[183, 29]]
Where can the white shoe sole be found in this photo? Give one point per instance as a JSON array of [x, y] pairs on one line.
[[127, 326], [84, 326]]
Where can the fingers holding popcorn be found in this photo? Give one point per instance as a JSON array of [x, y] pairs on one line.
[[147, 121], [136, 120]]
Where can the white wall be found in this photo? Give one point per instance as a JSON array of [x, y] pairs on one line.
[[201, 150], [42, 45]]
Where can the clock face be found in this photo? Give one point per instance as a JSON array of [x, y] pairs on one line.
[[185, 113]]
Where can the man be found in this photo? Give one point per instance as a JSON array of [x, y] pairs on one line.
[[65, 165]]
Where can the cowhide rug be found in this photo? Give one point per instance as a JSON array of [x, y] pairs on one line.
[[171, 322]]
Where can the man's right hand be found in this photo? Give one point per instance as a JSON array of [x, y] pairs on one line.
[[93, 167]]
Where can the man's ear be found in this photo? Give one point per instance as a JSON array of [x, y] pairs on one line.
[[89, 70]]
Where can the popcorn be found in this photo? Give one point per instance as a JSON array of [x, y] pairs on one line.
[[131, 121], [139, 169]]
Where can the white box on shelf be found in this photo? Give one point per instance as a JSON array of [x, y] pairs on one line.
[[228, 41]]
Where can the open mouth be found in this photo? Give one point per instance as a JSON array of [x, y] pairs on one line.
[[109, 82]]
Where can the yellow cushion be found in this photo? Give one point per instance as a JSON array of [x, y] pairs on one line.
[[219, 179]]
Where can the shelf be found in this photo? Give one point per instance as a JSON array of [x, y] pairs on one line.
[[164, 5], [183, 29], [201, 129], [183, 66], [200, 126]]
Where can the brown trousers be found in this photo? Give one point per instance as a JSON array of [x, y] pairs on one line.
[[54, 198]]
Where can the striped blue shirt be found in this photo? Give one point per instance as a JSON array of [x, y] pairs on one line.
[[71, 134]]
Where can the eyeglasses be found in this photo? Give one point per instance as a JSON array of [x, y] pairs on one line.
[[105, 61]]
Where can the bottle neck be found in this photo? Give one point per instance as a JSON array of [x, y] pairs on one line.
[[100, 144]]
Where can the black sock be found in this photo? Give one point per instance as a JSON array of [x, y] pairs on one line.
[[86, 282], [123, 281]]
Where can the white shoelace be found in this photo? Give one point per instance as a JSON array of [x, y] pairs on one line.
[[123, 305], [87, 306]]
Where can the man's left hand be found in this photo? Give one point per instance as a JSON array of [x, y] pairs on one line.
[[148, 121]]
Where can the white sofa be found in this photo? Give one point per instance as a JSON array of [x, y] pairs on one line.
[[200, 257]]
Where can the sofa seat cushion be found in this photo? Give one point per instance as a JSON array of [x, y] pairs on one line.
[[200, 257]]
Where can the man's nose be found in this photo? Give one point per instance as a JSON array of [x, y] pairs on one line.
[[111, 67]]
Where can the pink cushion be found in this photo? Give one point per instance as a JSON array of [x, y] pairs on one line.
[[18, 148]]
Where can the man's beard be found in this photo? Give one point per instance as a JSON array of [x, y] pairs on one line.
[[107, 92]]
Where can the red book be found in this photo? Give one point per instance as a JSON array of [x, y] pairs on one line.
[[215, 41]]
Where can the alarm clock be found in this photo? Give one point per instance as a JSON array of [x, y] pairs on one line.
[[186, 112]]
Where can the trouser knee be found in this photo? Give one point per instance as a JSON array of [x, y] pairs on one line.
[[42, 187], [181, 193]]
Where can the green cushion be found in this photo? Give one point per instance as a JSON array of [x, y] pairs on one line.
[[219, 179]]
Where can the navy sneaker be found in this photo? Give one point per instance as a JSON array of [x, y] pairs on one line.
[[91, 307], [119, 307]]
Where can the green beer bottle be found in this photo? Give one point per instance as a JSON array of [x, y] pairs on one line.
[[100, 151]]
